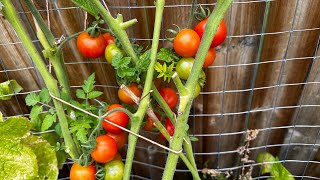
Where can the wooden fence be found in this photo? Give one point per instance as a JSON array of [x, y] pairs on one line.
[[265, 79]]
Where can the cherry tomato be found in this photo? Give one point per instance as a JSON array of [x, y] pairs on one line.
[[117, 157], [120, 138], [169, 95], [105, 150], [110, 51], [197, 90], [78, 172], [169, 127], [109, 38], [119, 118], [149, 126], [114, 170], [220, 35], [186, 43], [91, 47], [124, 97], [210, 57], [184, 66]]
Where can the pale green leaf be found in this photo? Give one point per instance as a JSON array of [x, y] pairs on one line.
[[48, 122], [45, 96], [14, 128], [80, 94], [32, 99], [34, 117], [8, 88]]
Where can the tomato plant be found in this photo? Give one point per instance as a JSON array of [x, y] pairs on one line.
[[91, 47], [186, 43], [79, 172], [114, 170], [169, 95], [169, 127], [210, 57], [184, 66], [105, 149], [120, 138], [124, 97], [119, 118], [220, 35], [110, 51], [109, 38], [149, 126]]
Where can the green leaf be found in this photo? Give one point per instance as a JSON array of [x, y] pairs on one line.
[[119, 62], [14, 128], [80, 94], [94, 94], [58, 129], [166, 55], [279, 172], [34, 117], [1, 117], [164, 71], [48, 121], [80, 127], [17, 161], [45, 96], [193, 138], [88, 84], [32, 99], [46, 157], [144, 62], [87, 6], [265, 157], [8, 88]]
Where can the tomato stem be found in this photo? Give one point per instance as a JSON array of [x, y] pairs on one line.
[[126, 25]]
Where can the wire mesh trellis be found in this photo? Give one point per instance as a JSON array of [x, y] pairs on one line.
[[215, 121]]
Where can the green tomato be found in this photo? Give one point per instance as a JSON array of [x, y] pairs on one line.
[[110, 51], [114, 170], [184, 66], [197, 90]]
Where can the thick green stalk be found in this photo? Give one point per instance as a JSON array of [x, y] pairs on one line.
[[12, 16], [186, 103]]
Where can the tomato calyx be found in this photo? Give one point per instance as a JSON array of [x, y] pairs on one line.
[[201, 13], [173, 33]]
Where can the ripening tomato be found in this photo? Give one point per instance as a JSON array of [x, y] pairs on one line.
[[149, 126], [110, 51], [124, 97], [79, 172], [120, 138], [210, 57], [108, 37], [105, 150], [169, 95], [114, 170], [184, 66], [169, 127], [119, 118], [186, 43], [117, 157], [220, 35], [91, 47]]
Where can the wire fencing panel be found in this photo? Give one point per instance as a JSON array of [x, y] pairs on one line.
[[265, 77]]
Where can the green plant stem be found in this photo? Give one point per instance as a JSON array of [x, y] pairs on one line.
[[186, 103], [12, 16]]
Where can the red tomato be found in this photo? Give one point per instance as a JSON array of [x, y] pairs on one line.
[[120, 138], [124, 97], [149, 126], [169, 95], [119, 118], [210, 57], [186, 43], [109, 38], [78, 172], [169, 127], [220, 35], [117, 157], [91, 47], [105, 150]]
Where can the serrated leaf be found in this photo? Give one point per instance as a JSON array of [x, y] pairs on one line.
[[80, 94], [45, 96], [79, 128], [48, 122], [88, 84], [46, 157], [34, 117], [87, 6], [8, 88], [164, 71], [32, 99], [144, 62], [17, 161], [94, 94], [14, 128], [116, 60], [76, 103], [166, 55]]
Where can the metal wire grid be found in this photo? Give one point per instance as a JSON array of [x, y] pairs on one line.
[[223, 92]]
